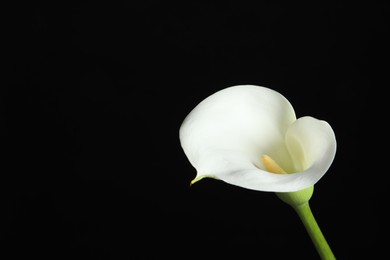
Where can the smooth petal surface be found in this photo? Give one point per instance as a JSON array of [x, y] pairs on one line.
[[225, 136], [312, 146]]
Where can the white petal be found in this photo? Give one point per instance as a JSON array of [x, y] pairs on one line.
[[229, 131], [312, 145]]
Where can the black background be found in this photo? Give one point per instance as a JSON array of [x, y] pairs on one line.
[[93, 97]]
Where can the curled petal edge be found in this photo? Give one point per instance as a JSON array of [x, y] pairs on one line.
[[312, 145]]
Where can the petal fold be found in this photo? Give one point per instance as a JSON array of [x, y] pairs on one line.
[[312, 145]]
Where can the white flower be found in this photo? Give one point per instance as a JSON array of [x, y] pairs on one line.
[[233, 134]]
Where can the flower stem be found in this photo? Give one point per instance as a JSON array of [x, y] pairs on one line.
[[305, 214]]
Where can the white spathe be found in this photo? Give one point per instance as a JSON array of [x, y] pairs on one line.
[[226, 134]]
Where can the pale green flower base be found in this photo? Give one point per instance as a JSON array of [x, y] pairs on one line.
[[299, 200]]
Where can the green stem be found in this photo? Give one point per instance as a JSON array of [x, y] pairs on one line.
[[319, 241]]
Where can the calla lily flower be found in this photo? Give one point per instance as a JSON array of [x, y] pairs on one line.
[[249, 136]]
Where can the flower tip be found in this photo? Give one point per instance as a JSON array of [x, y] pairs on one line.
[[197, 178]]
